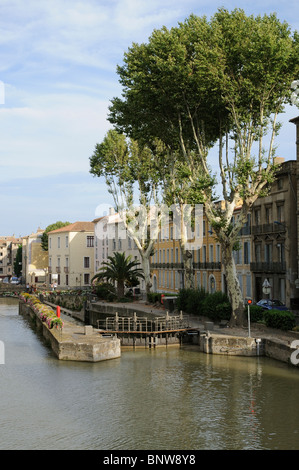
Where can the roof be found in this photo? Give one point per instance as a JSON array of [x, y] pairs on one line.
[[294, 120], [76, 227]]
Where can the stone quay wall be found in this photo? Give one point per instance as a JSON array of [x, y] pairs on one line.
[[247, 346], [75, 343]]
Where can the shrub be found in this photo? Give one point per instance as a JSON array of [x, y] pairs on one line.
[[154, 297], [104, 290], [223, 311], [190, 300], [256, 313], [216, 306], [209, 307], [283, 320], [195, 301]]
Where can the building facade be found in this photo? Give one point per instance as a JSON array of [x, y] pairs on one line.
[[168, 273], [8, 251], [71, 255], [110, 237], [34, 259]]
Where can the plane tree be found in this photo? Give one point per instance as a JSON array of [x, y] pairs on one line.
[[131, 173], [221, 81]]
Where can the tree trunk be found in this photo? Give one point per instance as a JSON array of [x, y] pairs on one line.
[[238, 317], [147, 273], [188, 267], [183, 211], [120, 289]]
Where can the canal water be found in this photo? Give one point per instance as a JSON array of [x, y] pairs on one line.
[[164, 399]]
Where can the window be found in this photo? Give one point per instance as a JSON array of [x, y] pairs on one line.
[[204, 281], [86, 262], [280, 212], [268, 252], [90, 241], [246, 252], [86, 278], [268, 214], [50, 242], [58, 242], [211, 253], [66, 241], [218, 251], [257, 216], [280, 183], [257, 253]]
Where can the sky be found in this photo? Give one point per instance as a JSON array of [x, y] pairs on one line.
[[58, 61]]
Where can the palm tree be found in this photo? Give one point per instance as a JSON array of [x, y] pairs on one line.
[[120, 269]]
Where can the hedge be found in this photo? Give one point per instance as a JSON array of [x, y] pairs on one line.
[[198, 302], [281, 319]]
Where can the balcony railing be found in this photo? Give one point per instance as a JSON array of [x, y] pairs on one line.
[[268, 228], [268, 267], [196, 265]]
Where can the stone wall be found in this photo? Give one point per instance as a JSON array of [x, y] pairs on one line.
[[245, 346], [71, 344], [229, 345]]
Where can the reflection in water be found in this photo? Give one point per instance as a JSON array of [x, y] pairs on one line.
[[150, 399]]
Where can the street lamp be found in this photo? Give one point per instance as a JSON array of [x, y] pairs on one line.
[[249, 302]]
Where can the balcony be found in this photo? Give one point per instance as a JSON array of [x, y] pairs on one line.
[[268, 267], [207, 265], [58, 269], [49, 269], [268, 228], [66, 269], [196, 265]]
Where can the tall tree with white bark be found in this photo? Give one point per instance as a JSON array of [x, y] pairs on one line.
[[204, 82], [130, 172]]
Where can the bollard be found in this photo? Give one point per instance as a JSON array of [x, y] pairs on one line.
[[58, 311]]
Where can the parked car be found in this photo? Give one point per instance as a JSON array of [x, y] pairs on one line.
[[271, 304], [15, 280]]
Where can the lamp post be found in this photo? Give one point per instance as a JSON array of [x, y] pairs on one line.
[[249, 302]]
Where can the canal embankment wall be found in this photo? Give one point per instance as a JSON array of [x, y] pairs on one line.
[[209, 342], [274, 348], [74, 342]]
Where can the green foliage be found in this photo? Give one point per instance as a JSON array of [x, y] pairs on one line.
[[18, 262], [154, 297], [119, 269], [103, 290], [48, 229], [256, 313], [225, 79], [283, 320], [198, 302], [211, 307]]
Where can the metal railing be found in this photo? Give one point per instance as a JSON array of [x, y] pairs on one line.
[[143, 324]]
